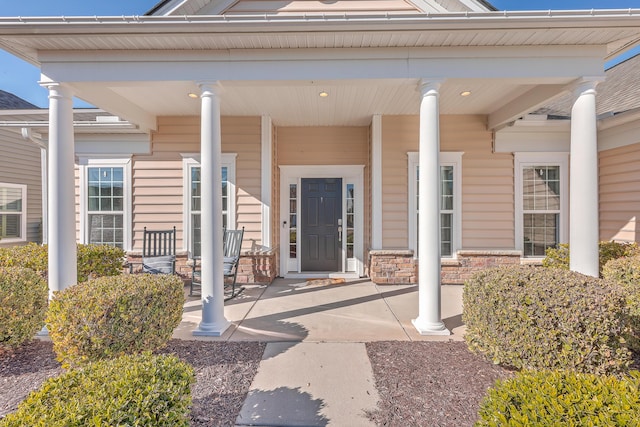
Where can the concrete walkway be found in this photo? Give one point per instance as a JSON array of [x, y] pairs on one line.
[[315, 370]]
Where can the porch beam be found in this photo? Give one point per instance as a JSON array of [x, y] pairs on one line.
[[583, 169], [429, 321], [213, 322], [61, 239], [524, 104]]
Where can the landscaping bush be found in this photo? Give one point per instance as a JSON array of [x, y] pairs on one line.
[[93, 260], [529, 317], [140, 390], [112, 316], [99, 261], [31, 255], [626, 272], [562, 398], [23, 305], [559, 257]]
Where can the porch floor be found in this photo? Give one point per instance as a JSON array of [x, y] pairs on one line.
[[294, 310]]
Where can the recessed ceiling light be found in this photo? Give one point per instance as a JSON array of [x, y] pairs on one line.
[[193, 95], [323, 94], [465, 93]]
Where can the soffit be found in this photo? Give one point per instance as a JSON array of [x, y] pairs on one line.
[[297, 103]]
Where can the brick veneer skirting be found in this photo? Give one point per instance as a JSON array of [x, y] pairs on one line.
[[400, 267], [254, 267]]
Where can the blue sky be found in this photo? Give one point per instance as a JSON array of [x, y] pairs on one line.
[[20, 78]]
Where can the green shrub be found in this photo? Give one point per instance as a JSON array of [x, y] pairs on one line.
[[559, 257], [562, 398], [529, 317], [112, 316], [31, 255], [140, 390], [99, 261], [93, 260], [23, 304], [626, 272]]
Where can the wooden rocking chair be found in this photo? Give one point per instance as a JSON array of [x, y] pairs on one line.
[[232, 245]]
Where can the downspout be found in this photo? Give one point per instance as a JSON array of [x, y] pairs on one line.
[[27, 134]]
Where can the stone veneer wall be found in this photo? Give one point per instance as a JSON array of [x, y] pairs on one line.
[[400, 267], [254, 267]]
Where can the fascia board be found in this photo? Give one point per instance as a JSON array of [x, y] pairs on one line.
[[583, 20]]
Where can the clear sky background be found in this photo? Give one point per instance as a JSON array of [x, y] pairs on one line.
[[21, 78]]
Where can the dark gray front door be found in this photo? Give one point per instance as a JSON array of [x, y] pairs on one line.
[[321, 209]]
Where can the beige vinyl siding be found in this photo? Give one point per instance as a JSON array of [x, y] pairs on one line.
[[20, 164], [157, 179], [342, 145], [252, 7], [487, 181], [619, 185]]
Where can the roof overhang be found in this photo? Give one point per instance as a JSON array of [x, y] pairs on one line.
[[618, 30], [141, 67]]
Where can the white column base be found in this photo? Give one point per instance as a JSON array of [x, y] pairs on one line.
[[429, 328], [211, 329]]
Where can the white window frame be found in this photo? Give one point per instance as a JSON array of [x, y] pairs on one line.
[[23, 213], [447, 158], [116, 162], [190, 160], [522, 160]]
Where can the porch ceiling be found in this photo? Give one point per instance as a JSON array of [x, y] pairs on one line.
[[298, 103]]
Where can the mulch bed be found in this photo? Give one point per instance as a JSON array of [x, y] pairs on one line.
[[224, 371], [433, 384]]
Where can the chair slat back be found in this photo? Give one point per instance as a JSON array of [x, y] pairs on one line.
[[159, 242], [233, 242]]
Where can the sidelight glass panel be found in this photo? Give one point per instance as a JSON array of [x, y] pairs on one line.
[[350, 225], [293, 221]]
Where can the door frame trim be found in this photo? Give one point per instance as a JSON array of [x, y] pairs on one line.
[[350, 174]]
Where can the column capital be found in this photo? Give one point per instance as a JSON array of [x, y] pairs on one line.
[[585, 85], [426, 86], [209, 88], [57, 89]]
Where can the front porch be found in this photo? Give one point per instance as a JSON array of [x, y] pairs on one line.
[[293, 310]]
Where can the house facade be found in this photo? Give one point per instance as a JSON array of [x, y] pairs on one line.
[[21, 160], [388, 139]]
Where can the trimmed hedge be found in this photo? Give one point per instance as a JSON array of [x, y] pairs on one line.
[[626, 272], [559, 257], [539, 318], [112, 316], [562, 398], [140, 390], [93, 260], [23, 305]]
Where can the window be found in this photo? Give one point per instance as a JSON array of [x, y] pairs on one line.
[[13, 212], [541, 193], [194, 194], [450, 202], [105, 201]]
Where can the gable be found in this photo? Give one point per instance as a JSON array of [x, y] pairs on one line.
[[302, 7]]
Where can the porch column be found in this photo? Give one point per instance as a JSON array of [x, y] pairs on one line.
[[583, 194], [429, 320], [61, 230], [213, 322]]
